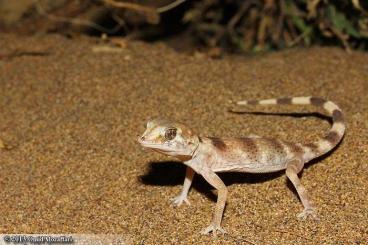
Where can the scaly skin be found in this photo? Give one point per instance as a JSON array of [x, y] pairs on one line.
[[208, 155]]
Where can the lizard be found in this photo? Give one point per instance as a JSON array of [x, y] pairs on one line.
[[208, 155]]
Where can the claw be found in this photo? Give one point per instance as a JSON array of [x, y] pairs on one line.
[[178, 201], [308, 212], [214, 229]]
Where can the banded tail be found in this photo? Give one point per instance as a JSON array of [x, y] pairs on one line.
[[324, 144]]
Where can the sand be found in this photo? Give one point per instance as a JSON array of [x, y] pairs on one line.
[[70, 118]]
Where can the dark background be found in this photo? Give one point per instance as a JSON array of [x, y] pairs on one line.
[[213, 26]]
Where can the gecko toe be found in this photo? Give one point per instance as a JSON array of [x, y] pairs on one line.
[[308, 213], [178, 201], [214, 229]]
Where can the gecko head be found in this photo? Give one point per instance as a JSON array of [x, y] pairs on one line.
[[170, 138]]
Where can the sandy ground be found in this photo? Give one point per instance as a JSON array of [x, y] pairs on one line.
[[70, 118]]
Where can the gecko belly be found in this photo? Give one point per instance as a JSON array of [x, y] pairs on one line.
[[250, 168]]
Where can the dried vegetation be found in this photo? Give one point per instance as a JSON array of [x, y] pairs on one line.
[[233, 25]]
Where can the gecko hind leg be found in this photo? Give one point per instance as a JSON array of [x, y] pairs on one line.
[[292, 169]]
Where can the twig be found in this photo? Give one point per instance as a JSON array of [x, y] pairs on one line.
[[19, 53], [311, 7], [169, 6], [280, 21], [120, 21], [131, 6], [292, 31], [235, 19], [151, 13], [297, 39], [265, 23], [342, 37], [74, 21]]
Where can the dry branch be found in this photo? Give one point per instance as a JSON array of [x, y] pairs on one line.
[[151, 14]]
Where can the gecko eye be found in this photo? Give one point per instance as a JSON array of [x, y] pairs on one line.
[[170, 133]]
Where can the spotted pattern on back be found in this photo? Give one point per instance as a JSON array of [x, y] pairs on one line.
[[277, 145], [294, 148], [218, 143], [250, 146]]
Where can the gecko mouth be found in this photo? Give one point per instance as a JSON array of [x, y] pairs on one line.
[[155, 146], [161, 148]]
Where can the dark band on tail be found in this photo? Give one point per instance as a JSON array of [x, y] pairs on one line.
[[324, 144], [316, 101], [284, 101], [337, 116]]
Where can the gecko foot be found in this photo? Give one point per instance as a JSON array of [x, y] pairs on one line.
[[177, 201], [214, 229], [308, 212]]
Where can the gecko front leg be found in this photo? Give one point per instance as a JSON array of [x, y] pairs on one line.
[[178, 200]]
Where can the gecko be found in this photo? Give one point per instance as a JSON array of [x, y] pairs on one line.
[[208, 155]]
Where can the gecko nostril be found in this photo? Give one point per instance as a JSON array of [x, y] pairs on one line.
[[143, 138]]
